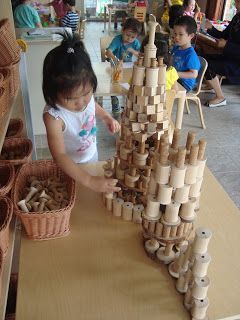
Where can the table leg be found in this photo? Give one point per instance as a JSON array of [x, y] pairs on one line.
[[109, 19], [180, 109], [104, 19]]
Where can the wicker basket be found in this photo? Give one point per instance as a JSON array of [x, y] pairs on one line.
[[1, 269], [6, 209], [7, 175], [14, 78], [50, 224], [9, 48], [5, 96], [15, 128], [21, 145]]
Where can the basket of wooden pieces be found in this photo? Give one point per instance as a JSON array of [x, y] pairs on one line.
[[43, 198]]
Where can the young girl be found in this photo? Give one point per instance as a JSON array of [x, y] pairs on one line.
[[191, 9], [69, 116]]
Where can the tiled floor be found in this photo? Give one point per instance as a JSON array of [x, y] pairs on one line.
[[222, 133]]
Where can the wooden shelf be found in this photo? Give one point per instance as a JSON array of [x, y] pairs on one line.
[[6, 272]]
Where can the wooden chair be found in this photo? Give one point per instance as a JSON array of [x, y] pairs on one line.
[[104, 43], [193, 95], [139, 13]]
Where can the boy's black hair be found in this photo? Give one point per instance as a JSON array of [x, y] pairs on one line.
[[175, 12], [132, 24], [188, 22], [65, 68], [71, 3], [161, 42]]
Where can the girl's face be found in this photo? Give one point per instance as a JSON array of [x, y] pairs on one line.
[[191, 5], [77, 100], [128, 36]]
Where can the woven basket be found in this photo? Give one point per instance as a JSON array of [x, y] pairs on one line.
[[1, 269], [14, 78], [15, 128], [7, 175], [5, 96], [9, 48], [17, 145], [6, 209], [50, 224]]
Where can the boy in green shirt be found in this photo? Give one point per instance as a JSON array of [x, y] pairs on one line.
[[26, 16]]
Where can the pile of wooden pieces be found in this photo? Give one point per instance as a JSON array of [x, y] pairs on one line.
[[173, 195], [143, 122], [44, 195]]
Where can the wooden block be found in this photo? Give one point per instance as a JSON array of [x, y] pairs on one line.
[[161, 89], [140, 137], [163, 97], [142, 100], [163, 125], [154, 99], [138, 90], [149, 109], [157, 117], [126, 121], [138, 109], [151, 127], [132, 116], [129, 104], [136, 127], [142, 117], [159, 107], [150, 91]]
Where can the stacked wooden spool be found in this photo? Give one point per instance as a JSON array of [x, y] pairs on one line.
[[173, 195], [190, 269], [143, 122]]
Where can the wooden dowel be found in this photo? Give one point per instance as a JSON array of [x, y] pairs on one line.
[[193, 154], [180, 159], [202, 146], [190, 139]]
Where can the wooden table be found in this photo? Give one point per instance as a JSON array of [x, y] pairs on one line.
[[100, 271], [107, 88]]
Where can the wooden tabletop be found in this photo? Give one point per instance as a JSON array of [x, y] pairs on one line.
[[100, 271]]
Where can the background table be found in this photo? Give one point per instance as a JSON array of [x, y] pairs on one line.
[[100, 271]]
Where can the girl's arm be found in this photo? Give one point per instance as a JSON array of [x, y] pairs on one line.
[[62, 159], [190, 74], [112, 124]]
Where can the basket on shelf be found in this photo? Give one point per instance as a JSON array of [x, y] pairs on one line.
[[9, 48], [49, 224], [7, 175], [21, 147], [14, 78], [15, 128], [5, 75], [6, 209]]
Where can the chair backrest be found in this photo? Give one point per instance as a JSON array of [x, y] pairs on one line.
[[201, 74], [104, 43], [140, 13]]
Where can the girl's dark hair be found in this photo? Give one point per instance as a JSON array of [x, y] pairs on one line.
[[133, 24], [65, 68], [175, 12], [188, 22]]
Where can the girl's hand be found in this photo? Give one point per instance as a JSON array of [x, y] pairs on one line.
[[112, 124], [221, 43], [101, 184], [208, 24]]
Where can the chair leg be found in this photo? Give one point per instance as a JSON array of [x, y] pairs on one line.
[[187, 106], [200, 112]]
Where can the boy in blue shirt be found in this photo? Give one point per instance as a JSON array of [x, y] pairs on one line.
[[124, 47], [185, 59]]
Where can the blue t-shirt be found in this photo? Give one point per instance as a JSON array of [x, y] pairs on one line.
[[25, 16], [184, 60], [119, 49]]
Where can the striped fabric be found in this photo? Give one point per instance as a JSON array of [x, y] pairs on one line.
[[71, 20]]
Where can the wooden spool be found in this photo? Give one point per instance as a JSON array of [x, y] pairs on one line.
[[162, 173], [201, 240], [152, 209], [200, 287], [187, 210], [181, 194], [199, 309], [196, 188], [162, 72], [151, 246], [137, 213], [171, 212], [200, 265], [164, 193], [117, 207], [127, 211]]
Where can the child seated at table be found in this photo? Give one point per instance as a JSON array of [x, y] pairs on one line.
[[58, 6], [185, 59], [71, 18], [124, 47], [26, 16]]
